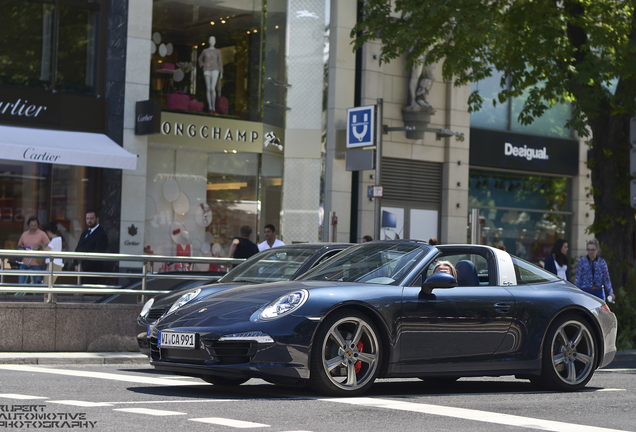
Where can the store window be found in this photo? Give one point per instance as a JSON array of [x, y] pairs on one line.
[[197, 202], [207, 57], [504, 116], [51, 45], [525, 214], [49, 192]]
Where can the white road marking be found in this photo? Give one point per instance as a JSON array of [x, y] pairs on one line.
[[20, 396], [229, 422], [102, 375], [148, 411], [470, 414], [80, 403]]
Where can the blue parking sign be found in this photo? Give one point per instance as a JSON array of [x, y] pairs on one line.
[[360, 126]]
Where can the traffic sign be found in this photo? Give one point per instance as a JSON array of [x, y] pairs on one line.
[[360, 126]]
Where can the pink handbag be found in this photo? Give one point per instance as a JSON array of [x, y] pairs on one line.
[[167, 66], [178, 101], [195, 105]]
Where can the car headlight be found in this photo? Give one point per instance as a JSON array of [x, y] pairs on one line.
[[183, 300], [285, 305], [146, 308]]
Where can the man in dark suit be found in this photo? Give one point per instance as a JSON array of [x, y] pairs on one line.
[[93, 239]]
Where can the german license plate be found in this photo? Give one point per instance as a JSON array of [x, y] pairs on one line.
[[176, 340]]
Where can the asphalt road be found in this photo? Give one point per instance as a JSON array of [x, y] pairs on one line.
[[137, 398]]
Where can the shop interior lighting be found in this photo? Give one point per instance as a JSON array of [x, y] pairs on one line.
[[248, 32], [226, 186], [276, 26], [222, 21], [255, 31], [211, 22]]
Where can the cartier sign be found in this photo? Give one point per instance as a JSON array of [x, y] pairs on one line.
[[29, 106]]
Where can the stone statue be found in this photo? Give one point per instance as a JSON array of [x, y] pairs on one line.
[[422, 78]]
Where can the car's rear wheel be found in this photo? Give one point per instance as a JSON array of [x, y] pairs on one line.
[[223, 381], [569, 355], [346, 355]]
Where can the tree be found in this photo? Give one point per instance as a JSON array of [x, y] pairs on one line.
[[555, 51]]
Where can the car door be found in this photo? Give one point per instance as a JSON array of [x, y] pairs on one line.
[[455, 325]]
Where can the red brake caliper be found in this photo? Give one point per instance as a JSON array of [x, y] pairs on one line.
[[358, 364]]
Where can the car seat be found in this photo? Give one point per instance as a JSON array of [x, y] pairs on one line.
[[466, 273]]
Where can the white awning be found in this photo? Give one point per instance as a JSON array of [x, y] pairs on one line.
[[64, 148]]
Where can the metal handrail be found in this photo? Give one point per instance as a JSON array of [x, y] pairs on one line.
[[145, 272]]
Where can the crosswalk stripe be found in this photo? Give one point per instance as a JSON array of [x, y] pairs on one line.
[[229, 422], [149, 411], [80, 403], [20, 396], [470, 414], [103, 375]]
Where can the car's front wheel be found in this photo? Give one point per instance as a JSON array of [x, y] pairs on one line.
[[569, 355], [346, 355]]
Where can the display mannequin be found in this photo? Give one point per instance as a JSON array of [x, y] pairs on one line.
[[210, 62], [183, 249]]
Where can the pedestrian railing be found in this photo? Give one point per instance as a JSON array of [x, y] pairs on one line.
[[143, 262]]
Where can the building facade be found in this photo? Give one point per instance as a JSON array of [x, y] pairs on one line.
[[234, 114]]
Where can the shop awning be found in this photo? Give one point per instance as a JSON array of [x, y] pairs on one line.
[[64, 148]]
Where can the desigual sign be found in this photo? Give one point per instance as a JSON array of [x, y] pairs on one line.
[[526, 152], [514, 151]]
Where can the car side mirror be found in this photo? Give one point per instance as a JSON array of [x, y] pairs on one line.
[[439, 280]]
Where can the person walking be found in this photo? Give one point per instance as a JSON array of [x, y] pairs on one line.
[[56, 265], [243, 247], [270, 239], [93, 239], [32, 239], [592, 274], [557, 261]]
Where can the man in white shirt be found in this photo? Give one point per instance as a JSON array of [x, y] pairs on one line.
[[270, 239]]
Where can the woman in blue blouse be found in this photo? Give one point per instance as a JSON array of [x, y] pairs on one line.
[[592, 273], [557, 261]]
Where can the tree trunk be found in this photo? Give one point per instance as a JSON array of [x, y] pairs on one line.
[[613, 214]]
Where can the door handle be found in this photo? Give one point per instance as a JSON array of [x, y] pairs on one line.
[[503, 307]]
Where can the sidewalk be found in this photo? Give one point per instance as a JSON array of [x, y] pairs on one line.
[[65, 358], [624, 359]]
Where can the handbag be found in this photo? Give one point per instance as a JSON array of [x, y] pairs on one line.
[[222, 105], [178, 101], [168, 66], [195, 105]]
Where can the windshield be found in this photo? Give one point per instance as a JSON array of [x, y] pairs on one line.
[[383, 263], [277, 264]]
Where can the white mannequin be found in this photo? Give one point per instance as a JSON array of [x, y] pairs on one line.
[[210, 61]]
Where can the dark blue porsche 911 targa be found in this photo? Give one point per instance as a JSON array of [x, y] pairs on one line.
[[378, 310]]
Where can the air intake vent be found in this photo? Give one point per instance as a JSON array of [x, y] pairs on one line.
[[412, 181]]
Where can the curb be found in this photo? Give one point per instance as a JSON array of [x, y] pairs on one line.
[[61, 358]]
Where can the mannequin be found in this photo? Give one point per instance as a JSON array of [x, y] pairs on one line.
[[183, 249], [210, 62]]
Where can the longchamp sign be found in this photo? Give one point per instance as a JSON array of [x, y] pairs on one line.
[[207, 132]]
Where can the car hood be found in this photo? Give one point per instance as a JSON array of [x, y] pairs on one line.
[[232, 305], [166, 300]]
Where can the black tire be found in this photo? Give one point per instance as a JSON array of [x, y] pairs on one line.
[[223, 381], [569, 355], [346, 355]]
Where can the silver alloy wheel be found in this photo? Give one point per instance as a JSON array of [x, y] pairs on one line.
[[573, 352], [350, 343]]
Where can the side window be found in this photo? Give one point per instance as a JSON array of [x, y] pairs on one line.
[[480, 268], [528, 273], [325, 257]]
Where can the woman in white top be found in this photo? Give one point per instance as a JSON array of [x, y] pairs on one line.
[[54, 245]]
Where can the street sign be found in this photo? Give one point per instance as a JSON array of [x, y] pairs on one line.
[[378, 191], [632, 193], [359, 160], [632, 162], [632, 131], [360, 126]]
